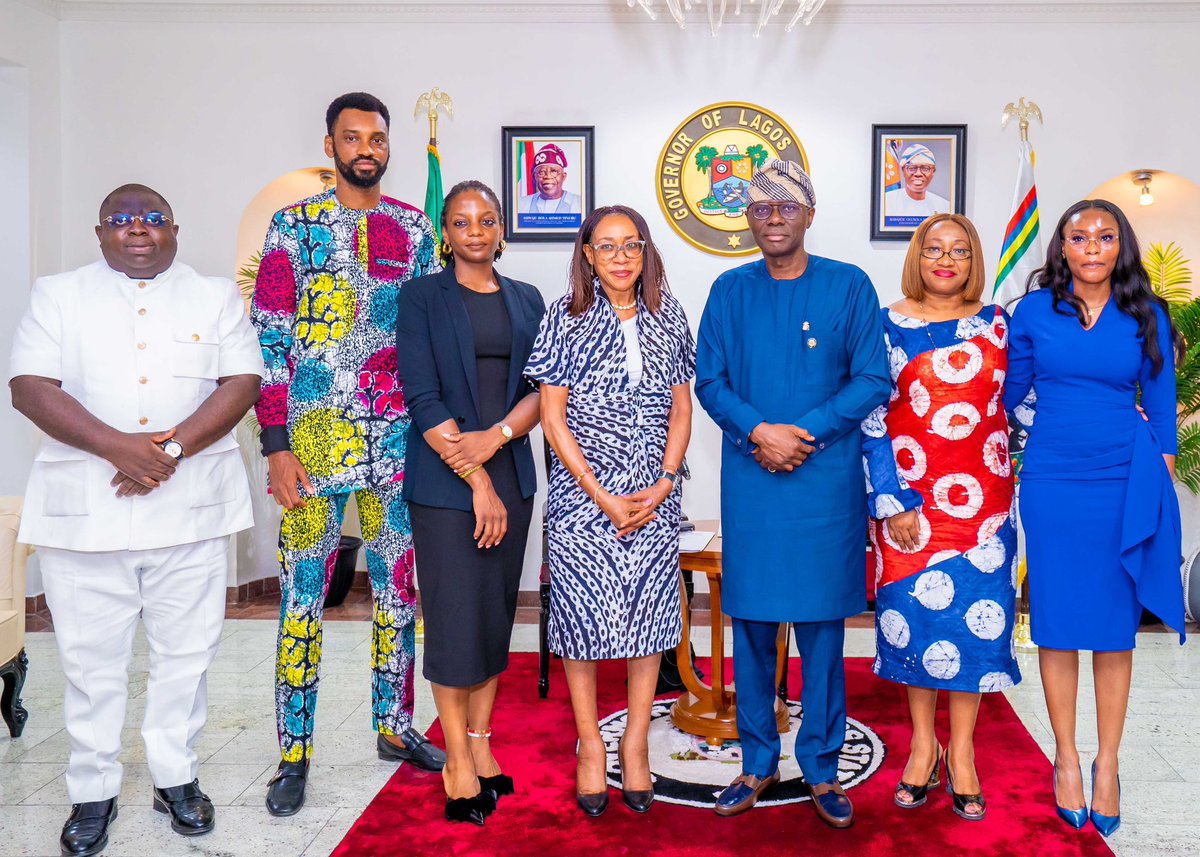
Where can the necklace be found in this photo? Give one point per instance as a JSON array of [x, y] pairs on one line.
[[921, 306], [624, 307], [1090, 314]]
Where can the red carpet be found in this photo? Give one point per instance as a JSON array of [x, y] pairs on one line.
[[535, 744]]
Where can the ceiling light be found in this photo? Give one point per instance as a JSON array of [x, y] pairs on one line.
[[713, 11], [1143, 178]]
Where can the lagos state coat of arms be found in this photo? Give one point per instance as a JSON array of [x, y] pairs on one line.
[[705, 169]]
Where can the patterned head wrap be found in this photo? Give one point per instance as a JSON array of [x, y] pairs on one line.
[[917, 154], [550, 154], [782, 181]]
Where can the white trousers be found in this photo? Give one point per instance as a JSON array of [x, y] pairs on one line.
[[95, 599]]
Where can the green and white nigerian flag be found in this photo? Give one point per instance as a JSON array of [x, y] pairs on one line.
[[433, 191]]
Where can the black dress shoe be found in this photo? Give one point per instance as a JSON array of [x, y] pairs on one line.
[[285, 791], [472, 809], [190, 809], [86, 830], [417, 749]]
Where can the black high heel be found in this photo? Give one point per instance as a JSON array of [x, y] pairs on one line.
[[961, 802], [638, 801], [919, 794], [593, 805], [471, 809]]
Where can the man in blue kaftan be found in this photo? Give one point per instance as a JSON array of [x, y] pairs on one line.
[[790, 360]]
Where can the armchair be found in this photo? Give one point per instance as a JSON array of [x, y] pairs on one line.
[[13, 662]]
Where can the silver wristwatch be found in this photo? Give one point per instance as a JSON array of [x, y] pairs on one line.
[[673, 478], [172, 448]]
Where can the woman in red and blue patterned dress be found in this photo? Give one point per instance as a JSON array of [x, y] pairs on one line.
[[940, 489]]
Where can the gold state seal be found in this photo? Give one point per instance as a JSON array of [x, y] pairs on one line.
[[705, 168]]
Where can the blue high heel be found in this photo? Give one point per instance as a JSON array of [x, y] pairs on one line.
[[1106, 824], [1077, 818]]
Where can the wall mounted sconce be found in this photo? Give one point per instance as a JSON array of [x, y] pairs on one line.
[[1143, 178]]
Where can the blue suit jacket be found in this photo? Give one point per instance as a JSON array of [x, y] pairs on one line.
[[435, 353]]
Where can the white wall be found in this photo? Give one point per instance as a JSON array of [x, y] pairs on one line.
[[30, 219], [210, 113]]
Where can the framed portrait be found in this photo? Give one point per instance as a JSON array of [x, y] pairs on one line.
[[549, 181], [917, 171]]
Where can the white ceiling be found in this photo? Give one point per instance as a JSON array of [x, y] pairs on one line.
[[613, 11]]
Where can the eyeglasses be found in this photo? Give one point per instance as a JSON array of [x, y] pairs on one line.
[[958, 254], [547, 172], [923, 169], [155, 220], [1082, 242], [631, 249], [787, 210]]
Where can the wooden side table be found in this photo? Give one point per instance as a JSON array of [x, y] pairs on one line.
[[710, 710]]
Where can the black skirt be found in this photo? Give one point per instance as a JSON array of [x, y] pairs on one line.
[[468, 595]]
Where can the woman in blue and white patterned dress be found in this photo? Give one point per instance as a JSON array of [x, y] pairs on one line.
[[614, 358]]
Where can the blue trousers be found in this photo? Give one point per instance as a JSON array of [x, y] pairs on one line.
[[823, 697]]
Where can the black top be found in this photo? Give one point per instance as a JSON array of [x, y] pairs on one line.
[[493, 351]]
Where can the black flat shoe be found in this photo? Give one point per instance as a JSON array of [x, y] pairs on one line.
[[86, 830], [285, 790], [919, 794], [190, 809], [417, 749], [592, 805], [470, 809]]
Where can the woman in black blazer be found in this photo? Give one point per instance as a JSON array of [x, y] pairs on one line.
[[463, 337]]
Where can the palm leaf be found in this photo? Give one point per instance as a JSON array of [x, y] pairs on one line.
[[1187, 463], [1187, 371], [247, 275], [1170, 276]]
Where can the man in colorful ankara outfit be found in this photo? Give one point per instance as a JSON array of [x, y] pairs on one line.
[[790, 360], [333, 425]]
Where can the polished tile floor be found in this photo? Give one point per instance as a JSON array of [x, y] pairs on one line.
[[1160, 757]]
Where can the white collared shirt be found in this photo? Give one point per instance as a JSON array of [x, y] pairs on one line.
[[141, 356]]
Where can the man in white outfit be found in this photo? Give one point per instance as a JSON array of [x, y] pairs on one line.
[[137, 369]]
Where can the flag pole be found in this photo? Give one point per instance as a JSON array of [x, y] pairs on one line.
[[431, 103], [1019, 255]]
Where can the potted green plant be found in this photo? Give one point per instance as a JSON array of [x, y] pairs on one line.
[[1171, 278]]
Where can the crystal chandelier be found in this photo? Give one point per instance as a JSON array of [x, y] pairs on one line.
[[714, 10]]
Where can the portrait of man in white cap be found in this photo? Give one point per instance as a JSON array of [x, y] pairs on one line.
[[550, 195], [914, 198]]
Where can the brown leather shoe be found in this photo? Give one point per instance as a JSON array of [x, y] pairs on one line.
[[743, 793], [832, 806]]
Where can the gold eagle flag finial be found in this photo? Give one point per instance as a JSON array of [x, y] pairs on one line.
[[1021, 111], [431, 102]]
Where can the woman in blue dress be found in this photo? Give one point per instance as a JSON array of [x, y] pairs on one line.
[[940, 489], [1096, 501], [614, 358]]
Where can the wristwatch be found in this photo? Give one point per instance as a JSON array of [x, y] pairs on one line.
[[673, 478], [505, 430], [172, 448]]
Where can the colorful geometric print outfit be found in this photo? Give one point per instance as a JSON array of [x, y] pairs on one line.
[[945, 613], [613, 598], [308, 541], [325, 310]]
